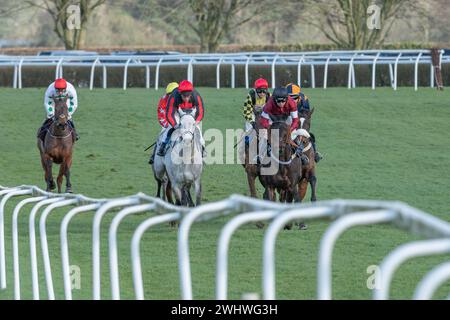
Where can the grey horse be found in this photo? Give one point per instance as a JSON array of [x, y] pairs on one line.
[[183, 162]]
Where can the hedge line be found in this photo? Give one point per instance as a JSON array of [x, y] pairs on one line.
[[227, 48]]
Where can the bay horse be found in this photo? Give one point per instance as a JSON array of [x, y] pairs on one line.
[[250, 153], [309, 170], [287, 177], [57, 146]]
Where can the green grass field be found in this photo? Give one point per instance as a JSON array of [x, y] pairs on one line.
[[383, 144]]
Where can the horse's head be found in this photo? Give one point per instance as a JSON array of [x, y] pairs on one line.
[[61, 111], [284, 135], [305, 119], [187, 124]]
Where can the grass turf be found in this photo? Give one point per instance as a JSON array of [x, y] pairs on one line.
[[383, 144]]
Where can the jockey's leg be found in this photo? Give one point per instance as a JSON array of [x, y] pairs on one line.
[[317, 155], [299, 152], [152, 156], [44, 128], [74, 131], [165, 140], [248, 127]]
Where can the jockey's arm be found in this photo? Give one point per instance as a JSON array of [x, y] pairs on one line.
[[161, 111], [200, 108], [294, 115], [247, 110], [170, 111], [49, 104], [72, 102]]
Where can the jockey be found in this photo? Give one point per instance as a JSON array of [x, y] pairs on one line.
[[256, 99], [161, 110], [302, 101], [280, 105], [59, 87], [184, 97]]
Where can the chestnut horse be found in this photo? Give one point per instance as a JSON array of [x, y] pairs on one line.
[[57, 146]]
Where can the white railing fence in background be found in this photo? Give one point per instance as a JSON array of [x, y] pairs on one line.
[[373, 58], [345, 214]]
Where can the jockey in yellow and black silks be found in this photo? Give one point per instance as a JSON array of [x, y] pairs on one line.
[[255, 101]]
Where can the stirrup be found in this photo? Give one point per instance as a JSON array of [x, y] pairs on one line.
[[317, 157], [305, 160], [162, 150]]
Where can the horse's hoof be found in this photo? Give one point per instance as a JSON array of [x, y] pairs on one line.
[[260, 225], [68, 190], [288, 226]]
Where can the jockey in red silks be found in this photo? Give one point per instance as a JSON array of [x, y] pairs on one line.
[[183, 97], [59, 87], [281, 106], [161, 111]]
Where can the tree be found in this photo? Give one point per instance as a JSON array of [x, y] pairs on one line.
[[213, 19], [345, 22], [69, 17]]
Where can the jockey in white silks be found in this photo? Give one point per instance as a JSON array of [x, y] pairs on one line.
[[57, 88], [184, 97]]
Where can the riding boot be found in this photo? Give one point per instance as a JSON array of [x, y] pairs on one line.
[[44, 128], [299, 153], [152, 157], [317, 155], [269, 150], [75, 135], [162, 149]]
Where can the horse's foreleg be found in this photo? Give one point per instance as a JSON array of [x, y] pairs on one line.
[[198, 192], [59, 179], [252, 185], [302, 188], [49, 175], [313, 182], [158, 191], [67, 175]]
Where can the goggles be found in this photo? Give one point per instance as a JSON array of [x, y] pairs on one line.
[[261, 90], [280, 100]]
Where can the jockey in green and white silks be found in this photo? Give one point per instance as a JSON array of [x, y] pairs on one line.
[[59, 87]]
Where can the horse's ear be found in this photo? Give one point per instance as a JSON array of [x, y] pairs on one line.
[[312, 111]]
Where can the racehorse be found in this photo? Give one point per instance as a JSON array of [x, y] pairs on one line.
[[309, 170], [57, 146], [183, 161], [289, 171], [250, 156]]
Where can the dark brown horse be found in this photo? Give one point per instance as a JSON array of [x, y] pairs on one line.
[[309, 170], [289, 167], [251, 163], [57, 146]]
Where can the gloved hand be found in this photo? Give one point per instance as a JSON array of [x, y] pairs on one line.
[[253, 123]]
